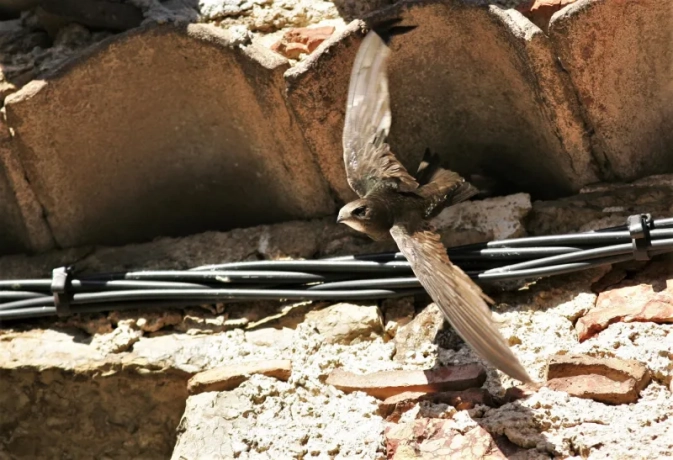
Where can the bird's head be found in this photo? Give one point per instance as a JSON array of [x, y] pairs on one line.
[[364, 216], [356, 214]]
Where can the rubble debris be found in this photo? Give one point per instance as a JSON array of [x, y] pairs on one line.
[[608, 380], [346, 323], [647, 298], [540, 11], [397, 313], [229, 377], [385, 384], [303, 40], [96, 14], [461, 400], [428, 439]]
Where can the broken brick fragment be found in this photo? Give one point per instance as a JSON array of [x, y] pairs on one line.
[[229, 377], [428, 438], [608, 380], [303, 40], [540, 11], [629, 302], [385, 384], [461, 400]]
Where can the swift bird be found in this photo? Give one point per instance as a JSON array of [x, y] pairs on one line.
[[393, 203]]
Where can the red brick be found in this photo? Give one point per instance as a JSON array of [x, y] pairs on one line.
[[628, 303], [229, 377], [301, 40], [540, 11], [389, 383], [608, 380]]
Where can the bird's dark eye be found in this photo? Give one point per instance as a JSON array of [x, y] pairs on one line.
[[359, 212]]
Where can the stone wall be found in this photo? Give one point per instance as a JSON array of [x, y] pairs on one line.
[[172, 128], [266, 379]]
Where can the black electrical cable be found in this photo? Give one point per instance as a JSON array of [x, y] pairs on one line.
[[381, 283], [19, 295], [205, 295], [40, 307], [354, 266], [226, 276], [357, 277], [594, 238], [511, 253], [551, 271]]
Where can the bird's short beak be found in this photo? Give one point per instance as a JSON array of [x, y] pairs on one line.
[[341, 217]]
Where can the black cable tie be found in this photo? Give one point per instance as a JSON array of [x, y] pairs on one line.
[[639, 229], [60, 284]]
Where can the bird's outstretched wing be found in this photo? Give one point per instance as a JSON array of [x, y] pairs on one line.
[[369, 161], [441, 187], [461, 301]]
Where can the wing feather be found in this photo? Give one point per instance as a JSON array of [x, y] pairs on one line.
[[445, 188], [368, 159], [461, 301]]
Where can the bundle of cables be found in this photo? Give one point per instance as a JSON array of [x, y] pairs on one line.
[[373, 276]]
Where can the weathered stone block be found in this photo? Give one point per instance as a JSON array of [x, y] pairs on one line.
[[619, 56], [12, 229], [479, 85], [23, 227], [63, 399], [164, 130], [602, 206]]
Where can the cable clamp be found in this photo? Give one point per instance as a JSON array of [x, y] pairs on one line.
[[639, 229], [60, 284]]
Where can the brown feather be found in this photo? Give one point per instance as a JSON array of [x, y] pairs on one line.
[[445, 188], [368, 159], [461, 301]]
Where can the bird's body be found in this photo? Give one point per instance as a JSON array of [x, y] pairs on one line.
[[394, 204]]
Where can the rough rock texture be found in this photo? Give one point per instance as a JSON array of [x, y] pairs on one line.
[[397, 314], [602, 206], [478, 84], [597, 387], [85, 174], [541, 11], [301, 41], [461, 400], [616, 369], [542, 320], [520, 102], [419, 335], [389, 383], [623, 82], [344, 322], [86, 403], [12, 232], [231, 376], [98, 14], [608, 380], [298, 239], [267, 15], [503, 216], [264, 418], [27, 50], [355, 9], [647, 296], [268, 418], [429, 439]]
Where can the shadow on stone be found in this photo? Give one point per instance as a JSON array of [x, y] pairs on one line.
[[196, 137]]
